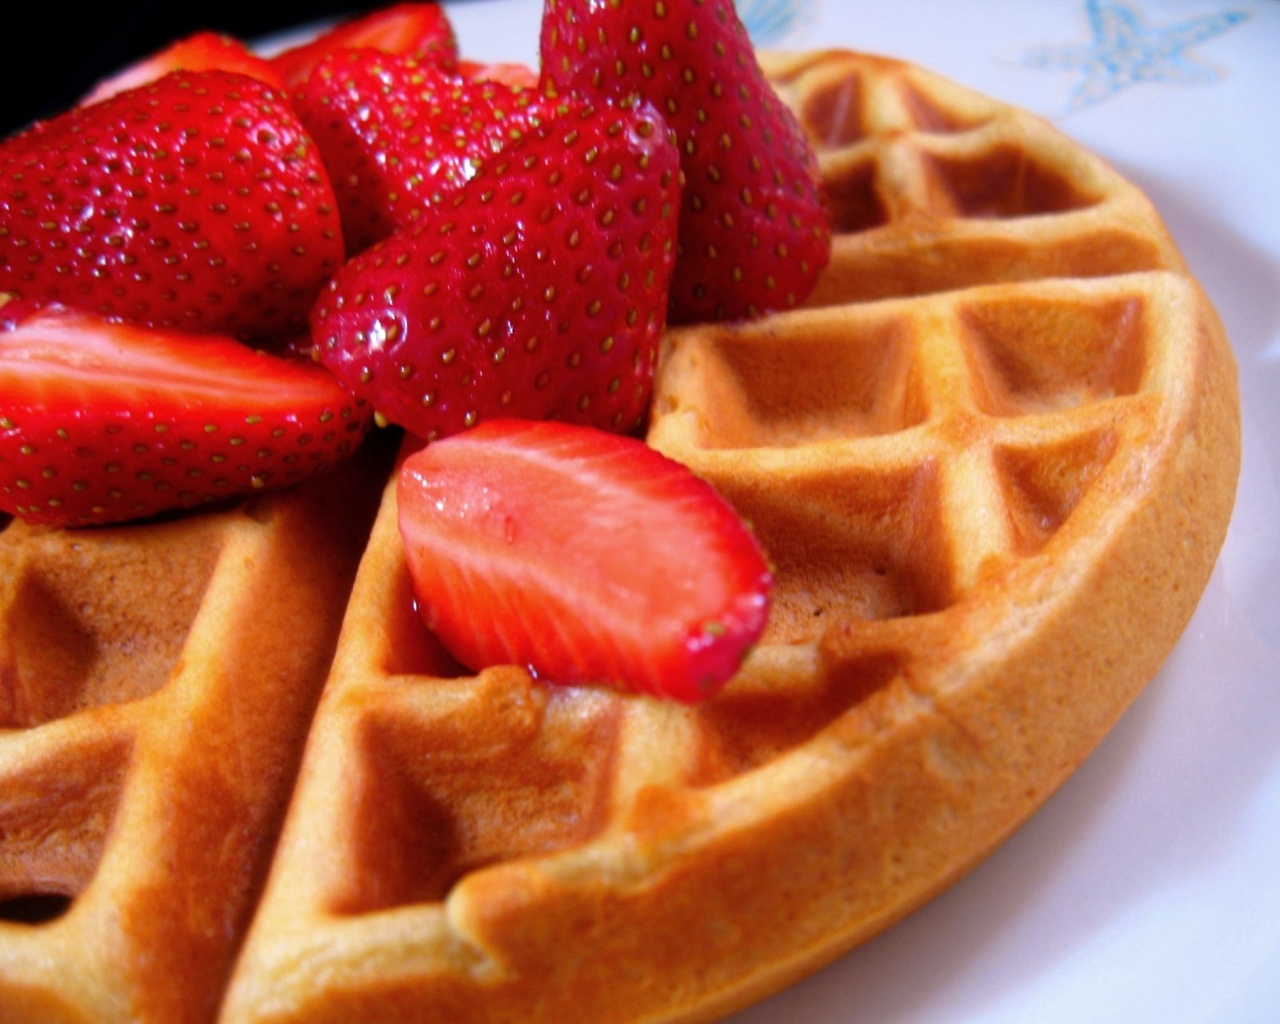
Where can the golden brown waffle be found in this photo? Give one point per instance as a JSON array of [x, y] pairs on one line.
[[934, 186], [992, 461], [156, 683], [992, 497]]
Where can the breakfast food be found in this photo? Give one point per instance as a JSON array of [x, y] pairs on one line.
[[138, 206], [991, 461], [754, 230], [521, 299], [220, 419], [511, 536], [157, 684]]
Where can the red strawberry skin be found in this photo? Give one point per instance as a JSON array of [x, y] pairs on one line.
[[200, 51], [102, 421], [754, 226], [419, 30], [567, 550], [537, 290], [396, 133], [195, 202]]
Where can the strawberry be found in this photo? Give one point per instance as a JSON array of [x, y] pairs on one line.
[[567, 550], [395, 133], [196, 202], [754, 226], [538, 289], [420, 30], [103, 421], [510, 73], [200, 51]]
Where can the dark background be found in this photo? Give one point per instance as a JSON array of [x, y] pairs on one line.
[[57, 53]]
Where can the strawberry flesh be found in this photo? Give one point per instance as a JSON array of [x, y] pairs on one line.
[[536, 290], [567, 550], [196, 202], [511, 73], [102, 421], [754, 226], [201, 51], [418, 30]]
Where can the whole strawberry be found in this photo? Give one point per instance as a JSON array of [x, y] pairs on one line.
[[102, 421], [396, 133], [537, 290], [196, 201], [754, 227]]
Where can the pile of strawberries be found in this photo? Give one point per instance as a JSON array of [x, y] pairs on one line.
[[222, 268]]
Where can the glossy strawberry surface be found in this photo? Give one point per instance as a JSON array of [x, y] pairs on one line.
[[396, 134], [537, 290], [195, 202], [586, 557], [104, 422], [754, 225], [418, 30]]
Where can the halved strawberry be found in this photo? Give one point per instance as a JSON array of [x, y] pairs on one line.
[[586, 557], [196, 201], [395, 134], [754, 226], [201, 51], [103, 422], [537, 290], [510, 73], [420, 30]]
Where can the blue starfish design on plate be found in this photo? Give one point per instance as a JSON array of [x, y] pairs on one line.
[[1126, 51], [769, 21]]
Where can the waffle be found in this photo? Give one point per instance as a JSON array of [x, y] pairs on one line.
[[992, 461], [156, 684]]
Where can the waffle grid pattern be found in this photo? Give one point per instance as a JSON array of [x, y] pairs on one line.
[[156, 684], [959, 456], [919, 449], [934, 186]]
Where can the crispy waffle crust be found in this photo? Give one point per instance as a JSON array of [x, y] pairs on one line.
[[993, 461]]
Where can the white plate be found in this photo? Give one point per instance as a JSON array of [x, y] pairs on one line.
[[1148, 889]]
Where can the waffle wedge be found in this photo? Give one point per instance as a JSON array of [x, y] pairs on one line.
[[992, 461], [156, 685]]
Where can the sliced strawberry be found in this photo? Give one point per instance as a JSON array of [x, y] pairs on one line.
[[568, 550], [754, 226], [537, 290], [420, 30], [196, 202], [103, 422], [513, 74], [201, 51], [395, 134]]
